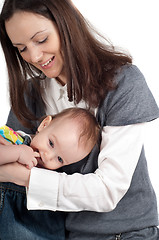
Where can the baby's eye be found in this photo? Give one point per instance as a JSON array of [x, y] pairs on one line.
[[51, 143], [60, 159]]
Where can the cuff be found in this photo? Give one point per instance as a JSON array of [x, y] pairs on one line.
[[43, 190]]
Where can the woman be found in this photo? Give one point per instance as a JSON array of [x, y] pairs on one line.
[[51, 43]]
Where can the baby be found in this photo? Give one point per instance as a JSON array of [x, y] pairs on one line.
[[62, 139]]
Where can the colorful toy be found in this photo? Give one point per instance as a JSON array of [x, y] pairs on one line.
[[10, 135]]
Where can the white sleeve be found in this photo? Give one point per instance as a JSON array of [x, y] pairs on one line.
[[99, 191]]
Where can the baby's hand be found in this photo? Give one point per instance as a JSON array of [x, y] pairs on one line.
[[27, 156], [4, 142]]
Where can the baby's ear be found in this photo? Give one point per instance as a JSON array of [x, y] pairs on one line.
[[45, 123]]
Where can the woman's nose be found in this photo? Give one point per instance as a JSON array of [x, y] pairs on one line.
[[35, 55]]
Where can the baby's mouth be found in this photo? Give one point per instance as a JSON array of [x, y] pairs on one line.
[[40, 161]]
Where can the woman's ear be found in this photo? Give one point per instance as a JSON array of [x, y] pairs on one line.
[[45, 123]]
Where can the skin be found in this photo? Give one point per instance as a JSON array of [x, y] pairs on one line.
[[4, 142], [20, 153], [27, 32], [14, 172], [38, 41], [58, 143], [49, 148]]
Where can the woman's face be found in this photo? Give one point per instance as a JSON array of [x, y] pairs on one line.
[[38, 42]]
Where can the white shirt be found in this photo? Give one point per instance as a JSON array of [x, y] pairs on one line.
[[100, 191]]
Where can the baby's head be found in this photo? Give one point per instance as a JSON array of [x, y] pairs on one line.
[[66, 137]]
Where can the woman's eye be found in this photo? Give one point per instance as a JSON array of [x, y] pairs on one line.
[[60, 159], [22, 50], [44, 40], [51, 143]]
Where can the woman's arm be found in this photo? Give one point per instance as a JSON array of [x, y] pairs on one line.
[[120, 150], [100, 191]]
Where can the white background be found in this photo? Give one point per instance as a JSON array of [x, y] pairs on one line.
[[132, 25]]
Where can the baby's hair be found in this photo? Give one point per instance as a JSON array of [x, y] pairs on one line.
[[88, 125]]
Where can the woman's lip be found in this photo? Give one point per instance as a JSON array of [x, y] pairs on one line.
[[48, 63]]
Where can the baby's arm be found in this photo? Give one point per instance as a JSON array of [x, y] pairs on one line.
[[20, 153]]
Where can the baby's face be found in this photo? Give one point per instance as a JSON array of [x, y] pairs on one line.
[[58, 144]]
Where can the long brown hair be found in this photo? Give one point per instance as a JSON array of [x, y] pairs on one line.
[[91, 65]]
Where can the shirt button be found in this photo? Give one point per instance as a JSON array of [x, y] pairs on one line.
[[41, 204]]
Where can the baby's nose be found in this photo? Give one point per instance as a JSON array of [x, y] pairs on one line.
[[49, 156]]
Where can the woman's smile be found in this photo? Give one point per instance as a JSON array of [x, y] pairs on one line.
[[48, 63]]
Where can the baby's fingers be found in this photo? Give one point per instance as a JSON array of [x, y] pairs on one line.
[[34, 161], [36, 154], [32, 164], [4, 142]]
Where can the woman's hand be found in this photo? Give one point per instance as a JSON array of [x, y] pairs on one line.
[[15, 173]]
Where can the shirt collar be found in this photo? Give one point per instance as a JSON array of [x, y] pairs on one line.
[[53, 87]]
